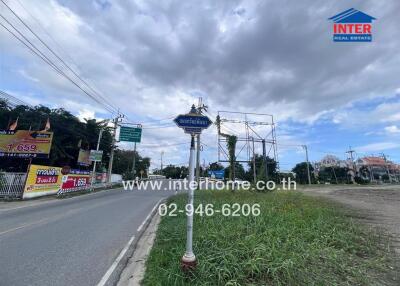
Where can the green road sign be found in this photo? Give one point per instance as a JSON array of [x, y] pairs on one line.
[[130, 134]]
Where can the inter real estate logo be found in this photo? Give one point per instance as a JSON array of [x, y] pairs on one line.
[[352, 26]]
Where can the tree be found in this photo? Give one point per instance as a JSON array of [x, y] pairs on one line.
[[301, 173], [215, 167], [173, 172], [68, 131], [240, 173], [334, 175], [123, 163], [272, 174]]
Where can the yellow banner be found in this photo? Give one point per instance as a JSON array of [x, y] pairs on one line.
[[25, 144], [42, 181], [84, 157]]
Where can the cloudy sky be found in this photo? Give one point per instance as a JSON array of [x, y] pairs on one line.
[[153, 59]]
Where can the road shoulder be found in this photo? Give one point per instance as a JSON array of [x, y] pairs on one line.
[[134, 271]]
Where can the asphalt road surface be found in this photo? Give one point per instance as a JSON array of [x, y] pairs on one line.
[[71, 241]]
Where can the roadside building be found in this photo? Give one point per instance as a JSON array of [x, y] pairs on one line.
[[377, 169]]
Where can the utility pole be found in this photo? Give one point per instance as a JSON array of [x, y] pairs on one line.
[[265, 159], [387, 167], [134, 160], [114, 142], [200, 108], [308, 165], [161, 170], [198, 160], [254, 163], [94, 162], [353, 165]]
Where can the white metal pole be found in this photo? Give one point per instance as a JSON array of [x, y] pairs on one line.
[[94, 162], [189, 259], [114, 141], [308, 165]]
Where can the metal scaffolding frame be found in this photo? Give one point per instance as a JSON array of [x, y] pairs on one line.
[[255, 131]]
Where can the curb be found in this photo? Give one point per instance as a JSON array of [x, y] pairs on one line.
[[133, 248]]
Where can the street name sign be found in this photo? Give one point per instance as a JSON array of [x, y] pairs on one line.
[[192, 123], [130, 134]]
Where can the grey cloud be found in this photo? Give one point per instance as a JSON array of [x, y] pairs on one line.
[[272, 52]]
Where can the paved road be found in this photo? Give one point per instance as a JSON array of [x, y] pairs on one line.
[[71, 241]]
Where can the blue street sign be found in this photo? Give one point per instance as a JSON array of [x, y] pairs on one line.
[[217, 174], [193, 123]]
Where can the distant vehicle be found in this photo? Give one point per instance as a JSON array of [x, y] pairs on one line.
[[156, 177]]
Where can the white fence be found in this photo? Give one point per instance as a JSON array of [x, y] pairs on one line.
[[12, 184]]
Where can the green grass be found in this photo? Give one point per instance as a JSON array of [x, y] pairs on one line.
[[297, 240]]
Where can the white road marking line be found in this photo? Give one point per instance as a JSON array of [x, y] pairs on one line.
[[54, 201], [27, 206], [148, 216], [24, 225], [110, 270]]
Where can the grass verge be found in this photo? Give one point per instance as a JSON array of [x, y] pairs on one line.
[[296, 240]]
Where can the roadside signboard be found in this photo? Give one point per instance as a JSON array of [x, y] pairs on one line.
[[192, 123], [47, 180], [42, 181], [75, 181], [83, 157], [217, 174], [96, 155], [25, 144], [130, 134]]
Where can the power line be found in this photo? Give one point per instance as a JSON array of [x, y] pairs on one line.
[[12, 99], [57, 56], [109, 107], [163, 145], [38, 53], [47, 33], [160, 127]]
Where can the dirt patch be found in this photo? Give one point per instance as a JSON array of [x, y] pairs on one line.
[[377, 205]]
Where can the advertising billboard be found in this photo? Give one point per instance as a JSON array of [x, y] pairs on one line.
[[42, 181], [25, 144], [84, 157], [75, 181], [96, 155]]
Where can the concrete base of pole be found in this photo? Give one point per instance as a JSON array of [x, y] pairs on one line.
[[188, 263]]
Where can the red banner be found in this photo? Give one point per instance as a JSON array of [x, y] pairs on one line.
[[75, 182]]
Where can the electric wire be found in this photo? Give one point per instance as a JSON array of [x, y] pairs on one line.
[[38, 53], [105, 103]]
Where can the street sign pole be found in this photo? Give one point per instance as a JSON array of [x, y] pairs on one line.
[[189, 259], [134, 161], [192, 123]]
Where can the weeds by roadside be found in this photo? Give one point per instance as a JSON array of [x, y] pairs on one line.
[[297, 240]]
